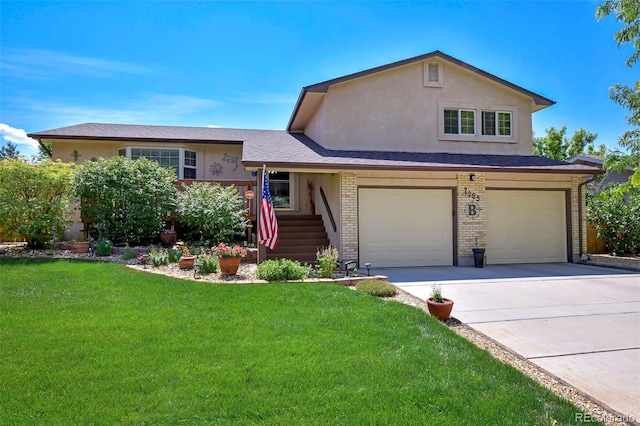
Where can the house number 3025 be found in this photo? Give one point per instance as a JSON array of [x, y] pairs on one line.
[[472, 195]]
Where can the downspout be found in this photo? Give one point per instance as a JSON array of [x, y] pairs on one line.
[[580, 212]]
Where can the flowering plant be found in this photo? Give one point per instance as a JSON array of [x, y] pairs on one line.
[[183, 249], [224, 250]]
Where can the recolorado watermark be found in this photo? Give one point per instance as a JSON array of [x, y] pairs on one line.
[[604, 418]]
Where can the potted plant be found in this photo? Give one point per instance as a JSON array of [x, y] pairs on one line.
[[439, 306], [229, 257], [80, 246], [186, 261], [168, 237]]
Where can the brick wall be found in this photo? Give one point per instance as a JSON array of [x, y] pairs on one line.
[[349, 215], [471, 216], [575, 222]]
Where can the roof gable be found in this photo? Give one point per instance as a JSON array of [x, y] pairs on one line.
[[311, 96]]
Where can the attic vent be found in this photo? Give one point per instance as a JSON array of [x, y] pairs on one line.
[[434, 75]]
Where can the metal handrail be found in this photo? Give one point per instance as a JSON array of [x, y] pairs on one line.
[[326, 206]]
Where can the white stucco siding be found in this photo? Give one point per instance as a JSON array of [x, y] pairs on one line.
[[393, 110]]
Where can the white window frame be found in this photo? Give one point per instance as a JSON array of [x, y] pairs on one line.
[[181, 156], [512, 110], [497, 123], [186, 166], [460, 112], [292, 191]]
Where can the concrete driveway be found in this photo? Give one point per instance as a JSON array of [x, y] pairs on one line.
[[578, 322]]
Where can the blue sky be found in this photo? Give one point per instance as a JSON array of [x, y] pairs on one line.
[[242, 64]]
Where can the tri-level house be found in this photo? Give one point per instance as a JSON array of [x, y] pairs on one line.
[[413, 163]]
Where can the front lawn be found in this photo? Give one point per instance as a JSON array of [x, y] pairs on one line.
[[99, 343]]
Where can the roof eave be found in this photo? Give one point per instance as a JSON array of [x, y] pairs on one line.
[[40, 137], [463, 168]]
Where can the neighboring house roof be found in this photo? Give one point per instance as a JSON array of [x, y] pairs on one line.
[[609, 176], [312, 95], [281, 149], [587, 159]]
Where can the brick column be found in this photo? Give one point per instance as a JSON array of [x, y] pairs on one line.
[[471, 216], [349, 215], [575, 217]]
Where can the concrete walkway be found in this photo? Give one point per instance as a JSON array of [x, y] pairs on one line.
[[578, 322]]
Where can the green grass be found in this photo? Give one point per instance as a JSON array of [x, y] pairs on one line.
[[99, 343]]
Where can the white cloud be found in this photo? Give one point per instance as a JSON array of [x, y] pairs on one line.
[[48, 64], [213, 126], [17, 136], [153, 108]]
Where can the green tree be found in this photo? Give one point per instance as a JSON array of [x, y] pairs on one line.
[[35, 199], [616, 216], [9, 151], [628, 13], [126, 200], [213, 212], [558, 146], [44, 150]]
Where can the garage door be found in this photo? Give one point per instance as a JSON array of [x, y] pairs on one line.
[[526, 227], [405, 227]]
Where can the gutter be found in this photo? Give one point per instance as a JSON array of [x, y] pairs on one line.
[[581, 213]]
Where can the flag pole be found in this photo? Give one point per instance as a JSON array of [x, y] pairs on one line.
[[268, 225], [262, 249]]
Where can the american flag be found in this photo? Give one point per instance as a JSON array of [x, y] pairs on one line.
[[268, 227]]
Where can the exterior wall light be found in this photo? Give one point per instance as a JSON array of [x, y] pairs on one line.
[[472, 177]]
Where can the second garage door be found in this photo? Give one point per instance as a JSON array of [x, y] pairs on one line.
[[526, 226], [405, 227]]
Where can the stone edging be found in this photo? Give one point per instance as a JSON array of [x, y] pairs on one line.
[[628, 263]]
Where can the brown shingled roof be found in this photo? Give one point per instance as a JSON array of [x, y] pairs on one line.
[[300, 151], [277, 148], [136, 132]]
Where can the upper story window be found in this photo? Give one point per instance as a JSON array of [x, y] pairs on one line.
[[459, 122], [182, 161], [496, 123], [469, 122]]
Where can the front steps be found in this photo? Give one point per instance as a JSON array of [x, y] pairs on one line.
[[300, 237]]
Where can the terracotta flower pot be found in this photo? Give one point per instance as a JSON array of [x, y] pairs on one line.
[[186, 262], [442, 311], [229, 265], [80, 247]]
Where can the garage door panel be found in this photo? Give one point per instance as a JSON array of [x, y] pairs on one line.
[[526, 227], [405, 227]]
